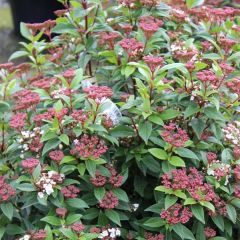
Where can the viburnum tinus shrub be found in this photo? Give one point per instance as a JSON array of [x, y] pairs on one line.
[[123, 123]]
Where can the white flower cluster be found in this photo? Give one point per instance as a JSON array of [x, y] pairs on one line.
[[25, 237], [56, 94], [223, 167], [47, 182], [27, 138], [232, 133], [110, 232]]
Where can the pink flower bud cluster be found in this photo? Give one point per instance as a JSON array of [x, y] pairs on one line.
[[108, 38], [227, 44], [80, 116], [56, 155], [150, 25], [178, 179], [109, 201], [183, 53], [237, 191], [30, 164], [39, 235], [179, 15], [98, 93], [61, 212], [151, 236], [6, 190], [209, 232], [6, 66], [174, 135], [206, 46], [149, 3], [89, 147], [208, 76], [237, 172], [176, 214], [132, 46], [77, 227], [234, 86], [49, 115], [211, 157], [153, 62], [69, 74], [18, 120], [70, 191], [26, 99], [107, 122], [44, 83], [115, 179], [220, 207], [99, 180], [226, 68], [236, 153]]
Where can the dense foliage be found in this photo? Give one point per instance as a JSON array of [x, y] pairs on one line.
[[123, 123]]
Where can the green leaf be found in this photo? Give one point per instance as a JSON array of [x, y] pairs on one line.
[[49, 233], [121, 194], [178, 66], [18, 54], [72, 218], [76, 203], [194, 3], [75, 84], [177, 161], [208, 205], [67, 232], [4, 106], [186, 153], [190, 201], [26, 187], [211, 112], [145, 130], [25, 31], [67, 159], [158, 153], [155, 118], [198, 126], [52, 220], [169, 201], [154, 222], [169, 114], [191, 109], [50, 145], [219, 222], [99, 193], [232, 213], [183, 232], [113, 216], [7, 209], [180, 194], [2, 231], [64, 138], [91, 167], [198, 212]]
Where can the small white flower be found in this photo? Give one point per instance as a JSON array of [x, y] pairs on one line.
[[40, 195], [135, 206], [118, 232], [49, 189], [103, 234], [25, 237]]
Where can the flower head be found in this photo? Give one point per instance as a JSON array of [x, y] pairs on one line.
[[109, 201]]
